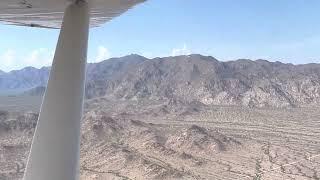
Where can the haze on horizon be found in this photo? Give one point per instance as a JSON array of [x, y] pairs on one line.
[[286, 31]]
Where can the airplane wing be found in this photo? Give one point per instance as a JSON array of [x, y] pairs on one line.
[[49, 13]]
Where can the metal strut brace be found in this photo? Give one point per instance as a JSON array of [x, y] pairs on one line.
[[55, 150]]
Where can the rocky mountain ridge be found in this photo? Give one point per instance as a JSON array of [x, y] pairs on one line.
[[195, 77]]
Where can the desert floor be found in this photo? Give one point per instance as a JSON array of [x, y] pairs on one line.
[[175, 140]]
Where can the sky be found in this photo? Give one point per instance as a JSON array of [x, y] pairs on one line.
[[286, 31]]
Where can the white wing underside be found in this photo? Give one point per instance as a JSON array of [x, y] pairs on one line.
[[49, 13]]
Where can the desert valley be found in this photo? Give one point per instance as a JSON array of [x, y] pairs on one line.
[[183, 117]]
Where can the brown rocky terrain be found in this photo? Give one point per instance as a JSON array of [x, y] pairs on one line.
[[139, 140], [185, 117]]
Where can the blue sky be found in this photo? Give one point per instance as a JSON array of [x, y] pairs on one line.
[[286, 30]]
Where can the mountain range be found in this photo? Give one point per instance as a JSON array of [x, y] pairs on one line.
[[178, 118], [25, 78], [189, 78]]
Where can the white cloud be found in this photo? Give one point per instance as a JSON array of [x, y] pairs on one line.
[[39, 58], [12, 60], [103, 54], [181, 51], [8, 58]]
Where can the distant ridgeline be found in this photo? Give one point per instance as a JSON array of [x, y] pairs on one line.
[[21, 80], [190, 78]]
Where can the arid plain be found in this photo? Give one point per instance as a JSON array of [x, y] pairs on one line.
[[177, 140]]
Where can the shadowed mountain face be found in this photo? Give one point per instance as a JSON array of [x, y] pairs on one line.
[[26, 78], [192, 78]]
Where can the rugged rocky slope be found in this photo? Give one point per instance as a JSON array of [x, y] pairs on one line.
[[194, 78], [15, 138], [243, 82], [119, 148], [142, 150]]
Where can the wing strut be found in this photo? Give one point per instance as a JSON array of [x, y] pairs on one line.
[[55, 150]]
